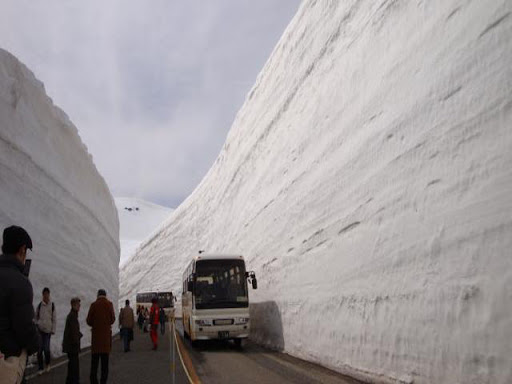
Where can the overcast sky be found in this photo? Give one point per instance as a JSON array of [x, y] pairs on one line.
[[152, 86]]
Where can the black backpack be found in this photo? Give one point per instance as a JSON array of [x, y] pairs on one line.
[[39, 309]]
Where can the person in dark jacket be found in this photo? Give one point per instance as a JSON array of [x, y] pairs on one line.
[[140, 319], [18, 332], [163, 318], [101, 316], [71, 342]]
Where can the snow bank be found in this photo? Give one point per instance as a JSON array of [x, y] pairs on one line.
[[50, 186], [137, 220], [368, 182]]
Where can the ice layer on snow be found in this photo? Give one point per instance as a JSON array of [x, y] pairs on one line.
[[367, 180], [50, 186]]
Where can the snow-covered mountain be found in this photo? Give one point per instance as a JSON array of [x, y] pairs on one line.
[[137, 220], [368, 181], [50, 186]]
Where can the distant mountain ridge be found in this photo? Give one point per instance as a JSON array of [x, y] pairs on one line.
[[138, 218]]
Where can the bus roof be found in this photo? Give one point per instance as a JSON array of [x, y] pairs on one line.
[[216, 256]]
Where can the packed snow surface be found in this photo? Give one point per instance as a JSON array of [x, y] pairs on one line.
[[368, 181], [50, 186], [137, 220]]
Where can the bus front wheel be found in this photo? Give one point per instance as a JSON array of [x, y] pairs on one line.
[[238, 343]]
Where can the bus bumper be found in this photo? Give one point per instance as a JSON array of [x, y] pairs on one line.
[[220, 332]]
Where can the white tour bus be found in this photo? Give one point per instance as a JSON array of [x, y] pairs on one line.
[[215, 300]]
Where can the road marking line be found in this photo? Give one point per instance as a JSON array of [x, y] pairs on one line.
[[189, 371]]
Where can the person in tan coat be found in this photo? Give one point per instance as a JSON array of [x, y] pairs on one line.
[[126, 323], [100, 318]]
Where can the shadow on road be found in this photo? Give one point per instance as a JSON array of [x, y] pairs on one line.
[[267, 325]]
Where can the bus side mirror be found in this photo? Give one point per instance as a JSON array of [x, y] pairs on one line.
[[254, 283], [190, 286]]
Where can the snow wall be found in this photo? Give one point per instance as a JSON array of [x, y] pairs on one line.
[[50, 186], [368, 181]]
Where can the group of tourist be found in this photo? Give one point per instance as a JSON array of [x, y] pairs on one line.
[[24, 332], [150, 319], [144, 318]]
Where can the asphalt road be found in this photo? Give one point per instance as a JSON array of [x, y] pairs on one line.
[[214, 362], [140, 366], [222, 362]]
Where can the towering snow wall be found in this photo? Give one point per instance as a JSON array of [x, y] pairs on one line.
[[50, 186], [368, 182]]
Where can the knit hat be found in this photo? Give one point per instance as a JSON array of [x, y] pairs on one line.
[[14, 237]]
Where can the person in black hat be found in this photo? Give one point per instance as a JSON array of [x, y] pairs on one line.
[[18, 332]]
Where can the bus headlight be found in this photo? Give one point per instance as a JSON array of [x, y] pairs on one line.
[[204, 322], [241, 320]]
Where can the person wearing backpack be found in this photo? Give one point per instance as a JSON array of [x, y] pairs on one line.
[[46, 320]]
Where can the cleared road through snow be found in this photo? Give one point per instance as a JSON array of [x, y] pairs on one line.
[[221, 362], [140, 366]]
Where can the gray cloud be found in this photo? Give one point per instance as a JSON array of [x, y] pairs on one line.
[[153, 87]]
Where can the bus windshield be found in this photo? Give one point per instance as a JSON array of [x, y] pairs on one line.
[[220, 284], [165, 299]]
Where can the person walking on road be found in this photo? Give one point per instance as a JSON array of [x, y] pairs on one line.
[[140, 319], [126, 323], [162, 321], [146, 324], [46, 320], [71, 342], [100, 318], [18, 332], [154, 319]]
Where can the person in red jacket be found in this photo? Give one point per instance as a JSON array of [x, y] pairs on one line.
[[154, 320]]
